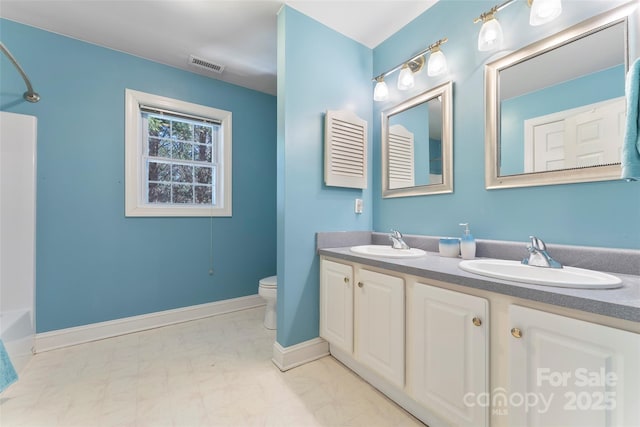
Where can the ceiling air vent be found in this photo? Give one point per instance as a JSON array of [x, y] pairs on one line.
[[205, 65]]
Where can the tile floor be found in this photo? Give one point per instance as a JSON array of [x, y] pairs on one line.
[[211, 372]]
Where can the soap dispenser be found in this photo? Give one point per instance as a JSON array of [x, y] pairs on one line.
[[467, 243]]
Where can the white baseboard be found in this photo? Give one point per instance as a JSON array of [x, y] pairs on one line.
[[286, 358], [81, 334]]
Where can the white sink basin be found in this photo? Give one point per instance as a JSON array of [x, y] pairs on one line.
[[387, 251], [566, 277]]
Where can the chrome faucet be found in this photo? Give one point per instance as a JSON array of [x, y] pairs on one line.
[[538, 255], [396, 240]]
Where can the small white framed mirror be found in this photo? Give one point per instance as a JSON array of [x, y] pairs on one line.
[[417, 145]]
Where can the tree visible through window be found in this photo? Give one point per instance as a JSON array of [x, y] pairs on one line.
[[177, 157], [180, 159]]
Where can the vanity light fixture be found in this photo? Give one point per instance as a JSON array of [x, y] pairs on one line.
[[543, 11], [437, 61], [491, 36], [381, 91], [406, 80]]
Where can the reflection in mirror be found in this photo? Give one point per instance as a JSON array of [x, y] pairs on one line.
[[556, 108], [568, 118], [416, 145]]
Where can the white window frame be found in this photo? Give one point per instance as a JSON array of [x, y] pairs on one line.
[[135, 191]]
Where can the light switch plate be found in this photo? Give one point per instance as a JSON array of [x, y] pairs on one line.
[[358, 206]]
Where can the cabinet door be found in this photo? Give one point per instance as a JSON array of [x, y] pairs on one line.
[[449, 353], [380, 324], [572, 373], [336, 304]]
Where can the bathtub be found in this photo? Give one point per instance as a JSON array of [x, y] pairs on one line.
[[17, 334], [18, 138]]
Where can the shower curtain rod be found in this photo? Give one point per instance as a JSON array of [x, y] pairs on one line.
[[30, 95]]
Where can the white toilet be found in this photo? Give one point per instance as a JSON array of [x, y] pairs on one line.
[[268, 290]]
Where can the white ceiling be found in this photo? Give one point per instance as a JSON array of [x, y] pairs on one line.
[[239, 34]]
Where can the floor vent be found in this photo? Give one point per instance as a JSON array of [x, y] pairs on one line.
[[205, 65]]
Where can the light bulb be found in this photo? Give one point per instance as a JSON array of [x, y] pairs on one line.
[[405, 79], [437, 63], [381, 91], [543, 11], [490, 36]]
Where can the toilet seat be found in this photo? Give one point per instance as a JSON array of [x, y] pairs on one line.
[[267, 289], [269, 282]]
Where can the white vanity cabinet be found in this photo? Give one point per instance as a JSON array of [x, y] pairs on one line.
[[573, 373], [362, 314], [336, 304], [448, 338], [458, 356], [379, 308]]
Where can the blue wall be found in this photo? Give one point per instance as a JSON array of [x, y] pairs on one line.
[[596, 87], [318, 70], [93, 264], [595, 214]]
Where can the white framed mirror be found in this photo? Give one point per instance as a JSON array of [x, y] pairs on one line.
[[555, 110], [417, 145]]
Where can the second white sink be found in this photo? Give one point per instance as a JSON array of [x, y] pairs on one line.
[[387, 251], [566, 277]]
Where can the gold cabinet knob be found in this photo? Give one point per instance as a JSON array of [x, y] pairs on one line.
[[476, 321], [516, 332], [360, 284], [346, 280]]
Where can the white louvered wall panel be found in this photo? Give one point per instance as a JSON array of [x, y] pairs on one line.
[[401, 154], [345, 152]]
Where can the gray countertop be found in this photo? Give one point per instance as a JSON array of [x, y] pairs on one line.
[[622, 303]]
